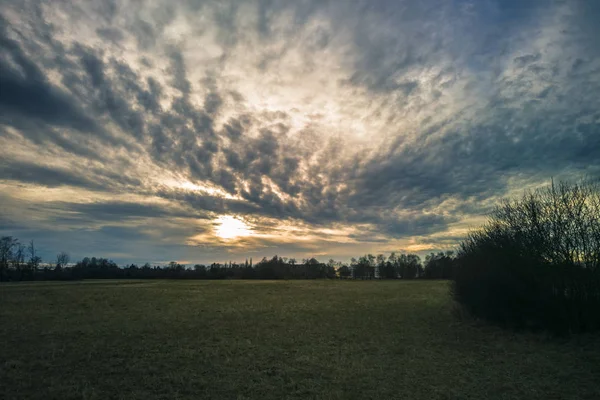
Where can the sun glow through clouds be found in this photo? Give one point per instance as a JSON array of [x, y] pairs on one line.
[[230, 227]]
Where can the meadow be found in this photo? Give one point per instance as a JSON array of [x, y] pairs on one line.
[[273, 340]]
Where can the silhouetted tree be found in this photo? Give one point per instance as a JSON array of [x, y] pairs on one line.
[[344, 272], [440, 265], [18, 260], [408, 266], [7, 244], [62, 259], [364, 267], [536, 263], [387, 269]]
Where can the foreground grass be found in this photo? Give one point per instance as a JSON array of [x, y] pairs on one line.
[[272, 340]]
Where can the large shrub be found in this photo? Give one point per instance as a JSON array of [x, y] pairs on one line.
[[536, 263]]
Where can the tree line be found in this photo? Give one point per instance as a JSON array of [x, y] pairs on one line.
[[19, 262]]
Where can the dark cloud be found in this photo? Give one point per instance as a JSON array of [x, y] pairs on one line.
[[114, 35], [207, 202], [8, 224], [123, 233], [144, 33], [416, 225], [212, 103], [113, 97], [22, 171], [522, 61], [26, 92], [119, 210], [178, 72]]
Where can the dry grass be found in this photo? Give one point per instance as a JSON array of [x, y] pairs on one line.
[[272, 340]]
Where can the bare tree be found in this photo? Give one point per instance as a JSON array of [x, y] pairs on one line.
[[19, 258], [7, 244], [559, 225], [34, 259], [6, 249], [62, 259]]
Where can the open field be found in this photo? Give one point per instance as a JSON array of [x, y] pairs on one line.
[[272, 340]]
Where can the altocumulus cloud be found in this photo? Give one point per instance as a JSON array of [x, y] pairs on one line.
[[330, 128]]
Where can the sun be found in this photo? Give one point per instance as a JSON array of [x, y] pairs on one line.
[[229, 227]]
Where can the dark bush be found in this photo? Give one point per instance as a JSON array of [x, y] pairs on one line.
[[536, 263]]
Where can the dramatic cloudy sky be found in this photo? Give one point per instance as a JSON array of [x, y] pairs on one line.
[[219, 130]]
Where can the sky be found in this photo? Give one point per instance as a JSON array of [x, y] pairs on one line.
[[202, 131]]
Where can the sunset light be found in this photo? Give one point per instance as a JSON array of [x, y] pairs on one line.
[[231, 227]]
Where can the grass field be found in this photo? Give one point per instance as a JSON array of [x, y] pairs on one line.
[[272, 340]]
